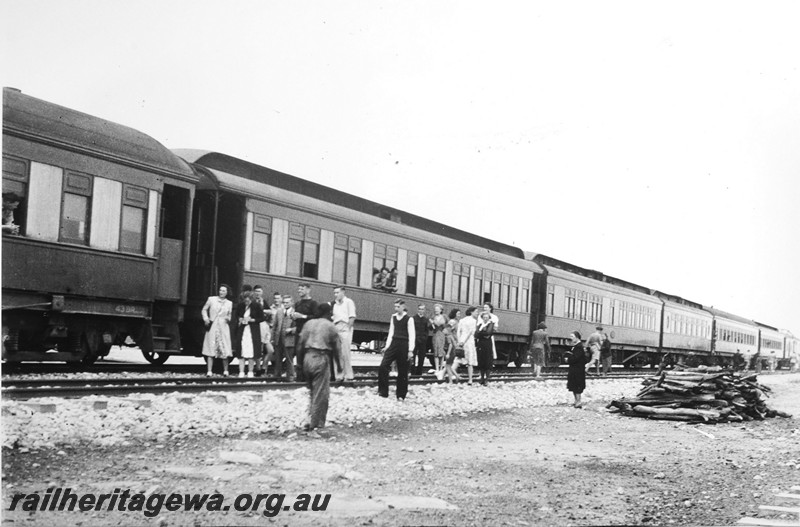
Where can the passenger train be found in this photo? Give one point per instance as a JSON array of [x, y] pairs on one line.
[[109, 237]]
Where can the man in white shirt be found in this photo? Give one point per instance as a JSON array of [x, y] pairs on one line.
[[344, 318]]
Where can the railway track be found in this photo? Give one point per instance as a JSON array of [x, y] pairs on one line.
[[118, 386], [44, 368]]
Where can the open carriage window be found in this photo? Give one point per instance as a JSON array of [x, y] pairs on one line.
[[15, 192]]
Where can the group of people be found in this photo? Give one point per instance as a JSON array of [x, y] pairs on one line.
[[596, 352], [316, 335], [385, 279], [455, 340], [262, 334]]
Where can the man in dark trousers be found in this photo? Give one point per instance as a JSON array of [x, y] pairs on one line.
[[421, 325], [277, 336], [319, 344], [304, 310], [399, 348]]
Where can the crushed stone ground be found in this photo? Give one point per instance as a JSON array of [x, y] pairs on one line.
[[541, 462]]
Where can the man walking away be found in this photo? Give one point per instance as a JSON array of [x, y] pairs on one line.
[[593, 344], [318, 343], [605, 354], [304, 310], [540, 348]]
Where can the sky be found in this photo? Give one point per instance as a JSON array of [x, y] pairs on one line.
[[657, 142]]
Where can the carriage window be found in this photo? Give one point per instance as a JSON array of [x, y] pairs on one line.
[[262, 240], [384, 256], [505, 292], [132, 236], [310, 259], [75, 209], [582, 309], [569, 303], [434, 277], [346, 259], [15, 186], [595, 308], [134, 218], [460, 282], [293, 257], [478, 286], [411, 273], [551, 299], [303, 251]]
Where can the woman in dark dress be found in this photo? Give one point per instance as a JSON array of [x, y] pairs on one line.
[[483, 341], [576, 376]]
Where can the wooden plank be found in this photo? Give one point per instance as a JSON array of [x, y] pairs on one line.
[[787, 496], [790, 510], [766, 522]]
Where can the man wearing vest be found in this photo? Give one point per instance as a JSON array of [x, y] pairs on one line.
[[399, 348]]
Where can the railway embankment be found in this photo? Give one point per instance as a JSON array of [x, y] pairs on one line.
[[49, 422], [503, 455]]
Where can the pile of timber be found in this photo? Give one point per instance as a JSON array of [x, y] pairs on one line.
[[700, 395]]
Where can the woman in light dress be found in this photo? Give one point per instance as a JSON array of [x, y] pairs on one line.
[[217, 316], [466, 339], [438, 322]]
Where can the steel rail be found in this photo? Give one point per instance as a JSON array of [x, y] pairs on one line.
[[116, 387]]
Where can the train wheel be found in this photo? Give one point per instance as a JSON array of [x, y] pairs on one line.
[[155, 357]]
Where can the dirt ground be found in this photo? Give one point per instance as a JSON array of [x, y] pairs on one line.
[[552, 465]]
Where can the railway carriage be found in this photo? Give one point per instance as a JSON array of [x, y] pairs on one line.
[[581, 299], [96, 219], [791, 349], [770, 344], [255, 225], [732, 334], [686, 326]]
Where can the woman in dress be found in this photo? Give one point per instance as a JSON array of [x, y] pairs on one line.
[[450, 364], [576, 376], [488, 307], [217, 316], [248, 333], [483, 340], [438, 322], [466, 339]]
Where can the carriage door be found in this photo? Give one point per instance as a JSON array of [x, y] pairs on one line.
[[172, 240]]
